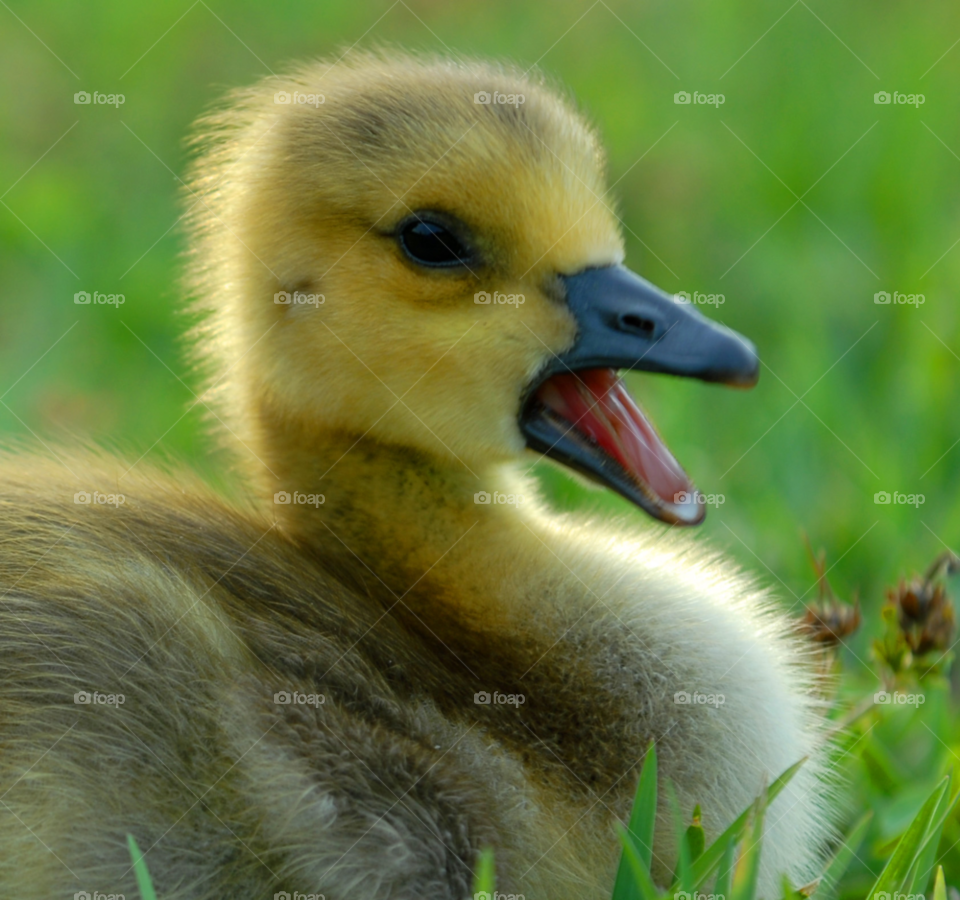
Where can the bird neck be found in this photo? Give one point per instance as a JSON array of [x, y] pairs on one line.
[[458, 545]]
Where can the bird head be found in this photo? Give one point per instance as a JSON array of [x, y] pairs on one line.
[[422, 254]]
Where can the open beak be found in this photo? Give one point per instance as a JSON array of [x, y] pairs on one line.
[[578, 411]]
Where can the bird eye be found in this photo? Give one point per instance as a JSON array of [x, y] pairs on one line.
[[432, 244]]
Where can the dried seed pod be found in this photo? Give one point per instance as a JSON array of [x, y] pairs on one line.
[[829, 623], [925, 614], [828, 620], [920, 620]]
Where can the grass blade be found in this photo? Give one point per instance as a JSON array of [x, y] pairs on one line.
[[691, 846], [748, 866], [923, 867], [637, 879], [939, 886], [696, 840], [144, 883], [711, 856], [642, 819], [895, 872], [682, 875], [841, 859], [787, 891], [920, 877], [484, 876], [725, 872]]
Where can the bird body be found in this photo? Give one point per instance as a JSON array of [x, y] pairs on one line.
[[389, 652]]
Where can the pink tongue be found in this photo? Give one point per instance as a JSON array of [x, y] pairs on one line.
[[596, 403]]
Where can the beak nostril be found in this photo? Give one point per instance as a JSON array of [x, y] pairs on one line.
[[637, 324]]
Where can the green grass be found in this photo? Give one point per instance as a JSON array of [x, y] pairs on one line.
[[144, 882], [729, 866]]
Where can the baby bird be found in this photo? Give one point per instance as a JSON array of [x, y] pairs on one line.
[[388, 653]]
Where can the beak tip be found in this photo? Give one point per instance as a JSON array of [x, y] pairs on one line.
[[744, 370], [751, 371]]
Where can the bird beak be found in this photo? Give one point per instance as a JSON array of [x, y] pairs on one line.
[[578, 411]]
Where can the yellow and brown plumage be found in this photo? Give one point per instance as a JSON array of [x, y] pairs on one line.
[[398, 599]]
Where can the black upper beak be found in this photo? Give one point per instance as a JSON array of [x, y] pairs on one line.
[[624, 322]]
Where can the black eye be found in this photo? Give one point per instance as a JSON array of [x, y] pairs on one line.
[[431, 244]]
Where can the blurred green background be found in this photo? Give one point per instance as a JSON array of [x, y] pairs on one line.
[[854, 397]]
